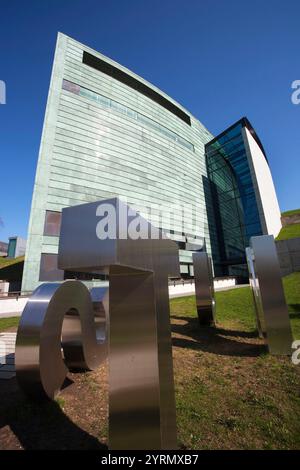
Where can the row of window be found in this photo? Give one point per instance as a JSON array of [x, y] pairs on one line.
[[116, 106], [132, 82], [49, 271], [53, 223]]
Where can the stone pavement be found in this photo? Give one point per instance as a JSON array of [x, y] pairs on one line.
[[7, 355]]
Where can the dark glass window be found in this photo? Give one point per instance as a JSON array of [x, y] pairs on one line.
[[52, 223], [234, 202], [48, 268], [50, 272], [12, 248]]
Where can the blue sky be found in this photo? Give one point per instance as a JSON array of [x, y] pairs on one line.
[[220, 59]]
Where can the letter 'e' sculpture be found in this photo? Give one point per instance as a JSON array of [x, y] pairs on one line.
[[141, 384], [272, 315]]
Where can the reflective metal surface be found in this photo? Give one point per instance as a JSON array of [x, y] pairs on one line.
[[266, 283], [253, 281], [141, 387], [204, 287], [57, 316]]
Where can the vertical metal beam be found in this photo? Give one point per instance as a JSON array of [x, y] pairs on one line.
[[134, 398], [268, 294], [204, 287]]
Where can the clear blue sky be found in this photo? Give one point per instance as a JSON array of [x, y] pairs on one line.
[[220, 59]]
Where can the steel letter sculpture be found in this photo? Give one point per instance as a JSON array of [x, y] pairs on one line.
[[204, 287], [141, 389], [141, 385], [266, 284], [56, 317]]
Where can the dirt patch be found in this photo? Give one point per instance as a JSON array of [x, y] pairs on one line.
[[76, 420]]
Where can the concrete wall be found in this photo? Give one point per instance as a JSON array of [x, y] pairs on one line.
[[266, 197], [289, 255], [4, 288], [290, 219], [10, 306]]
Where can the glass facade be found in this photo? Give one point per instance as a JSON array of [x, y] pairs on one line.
[[236, 215]]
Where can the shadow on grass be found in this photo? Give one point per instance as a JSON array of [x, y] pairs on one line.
[[38, 425], [294, 310], [215, 340]]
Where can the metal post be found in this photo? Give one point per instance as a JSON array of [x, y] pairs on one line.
[[204, 287], [266, 283]]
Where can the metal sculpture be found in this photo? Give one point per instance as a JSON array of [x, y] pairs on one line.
[[141, 385], [141, 388], [58, 317], [204, 287], [272, 315]]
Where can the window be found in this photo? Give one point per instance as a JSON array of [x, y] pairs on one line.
[[11, 251], [120, 108], [132, 82], [234, 202], [48, 268], [52, 223]]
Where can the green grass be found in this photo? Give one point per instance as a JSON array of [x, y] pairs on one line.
[[231, 394], [4, 262], [6, 323], [291, 285], [235, 306], [227, 403], [290, 231], [292, 212]]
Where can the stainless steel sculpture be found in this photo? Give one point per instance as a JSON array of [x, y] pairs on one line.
[[56, 317], [204, 287], [265, 280], [141, 388], [141, 385]]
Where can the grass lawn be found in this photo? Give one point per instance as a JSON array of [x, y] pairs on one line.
[[292, 212], [235, 306], [290, 231], [4, 262], [6, 323], [230, 393]]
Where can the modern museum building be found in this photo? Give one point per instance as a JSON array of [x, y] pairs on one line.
[[108, 132]]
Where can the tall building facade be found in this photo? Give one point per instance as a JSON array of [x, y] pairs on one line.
[[108, 132], [243, 195]]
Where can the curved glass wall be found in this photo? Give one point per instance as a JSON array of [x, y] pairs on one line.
[[234, 202]]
